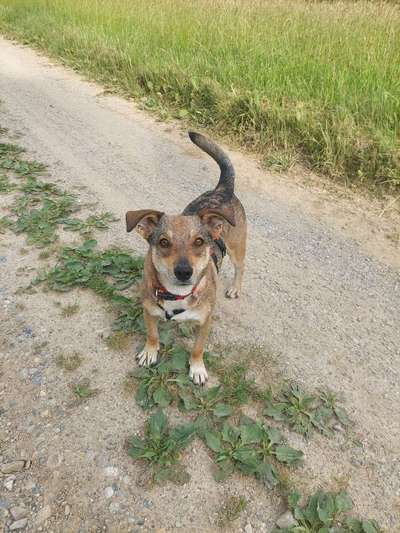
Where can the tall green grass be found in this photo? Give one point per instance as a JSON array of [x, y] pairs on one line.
[[317, 82]]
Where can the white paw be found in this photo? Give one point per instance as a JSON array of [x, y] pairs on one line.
[[232, 292], [198, 373], [147, 357]]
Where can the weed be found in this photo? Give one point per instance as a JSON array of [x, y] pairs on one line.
[[164, 383], [69, 310], [69, 362], [83, 390], [161, 447], [119, 341], [41, 224], [99, 222], [325, 512], [5, 224], [251, 448], [304, 412], [5, 185], [230, 510]]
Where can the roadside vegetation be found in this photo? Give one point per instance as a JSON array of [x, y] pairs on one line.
[[254, 446], [315, 83]]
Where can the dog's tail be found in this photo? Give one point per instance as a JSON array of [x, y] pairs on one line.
[[227, 178]]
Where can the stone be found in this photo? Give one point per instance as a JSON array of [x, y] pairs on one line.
[[9, 482], [19, 524], [67, 510], [108, 492], [248, 529], [111, 471], [10, 468], [286, 520], [18, 512]]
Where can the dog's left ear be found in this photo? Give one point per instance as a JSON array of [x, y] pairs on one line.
[[145, 221], [214, 218]]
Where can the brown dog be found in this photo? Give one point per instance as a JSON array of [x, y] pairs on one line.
[[185, 254]]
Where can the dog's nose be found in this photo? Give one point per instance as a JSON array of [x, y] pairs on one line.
[[183, 271]]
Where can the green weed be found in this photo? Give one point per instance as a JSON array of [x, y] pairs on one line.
[[161, 447], [5, 224], [85, 227], [5, 185], [163, 384], [83, 391], [230, 510], [251, 448], [119, 341], [326, 512], [304, 412], [69, 362], [69, 310]]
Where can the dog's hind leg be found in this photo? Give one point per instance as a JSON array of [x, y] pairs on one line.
[[198, 372], [236, 256], [149, 355]]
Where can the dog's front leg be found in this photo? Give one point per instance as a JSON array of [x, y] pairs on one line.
[[149, 355], [198, 372]]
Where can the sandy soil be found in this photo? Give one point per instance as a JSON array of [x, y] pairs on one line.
[[321, 303]]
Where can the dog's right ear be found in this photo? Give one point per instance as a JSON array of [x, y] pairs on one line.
[[145, 221]]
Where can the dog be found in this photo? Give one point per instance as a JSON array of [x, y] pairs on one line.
[[184, 257]]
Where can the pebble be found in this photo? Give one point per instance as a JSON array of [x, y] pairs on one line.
[[286, 520], [19, 524], [111, 471], [108, 492], [18, 512], [10, 468], [9, 482], [248, 529], [67, 510]]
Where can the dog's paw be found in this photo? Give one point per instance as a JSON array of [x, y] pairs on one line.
[[147, 357], [232, 292], [198, 373]]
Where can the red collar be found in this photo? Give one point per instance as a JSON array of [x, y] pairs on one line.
[[161, 293]]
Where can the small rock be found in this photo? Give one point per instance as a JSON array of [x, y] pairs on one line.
[[19, 524], [9, 482], [4, 504], [18, 512], [111, 471], [286, 520], [67, 510], [248, 529], [108, 492], [148, 504], [44, 514], [10, 468]]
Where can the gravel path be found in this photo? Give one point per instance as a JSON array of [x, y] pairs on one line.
[[321, 302]]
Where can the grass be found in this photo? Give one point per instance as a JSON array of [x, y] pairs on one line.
[[83, 390], [315, 82], [69, 362], [69, 310], [230, 510]]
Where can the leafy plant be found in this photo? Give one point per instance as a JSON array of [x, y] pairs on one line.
[[161, 446], [251, 448], [304, 412], [5, 223], [230, 510], [326, 512], [5, 185], [83, 390], [237, 388], [85, 227], [162, 384], [40, 224]]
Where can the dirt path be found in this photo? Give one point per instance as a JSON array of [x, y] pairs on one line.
[[321, 302]]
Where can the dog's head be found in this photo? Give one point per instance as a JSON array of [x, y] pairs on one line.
[[180, 244]]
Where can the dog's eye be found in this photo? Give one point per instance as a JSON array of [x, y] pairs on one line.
[[199, 242], [164, 243]]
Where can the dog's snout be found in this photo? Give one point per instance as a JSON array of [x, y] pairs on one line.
[[183, 270]]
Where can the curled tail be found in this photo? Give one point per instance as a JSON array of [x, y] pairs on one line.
[[227, 178]]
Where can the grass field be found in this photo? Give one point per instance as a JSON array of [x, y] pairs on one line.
[[312, 82]]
